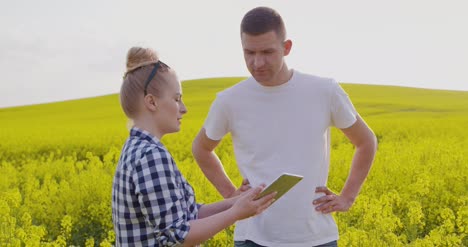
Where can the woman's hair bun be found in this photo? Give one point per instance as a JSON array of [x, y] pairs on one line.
[[138, 57]]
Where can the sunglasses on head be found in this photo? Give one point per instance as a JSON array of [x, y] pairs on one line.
[[152, 74]]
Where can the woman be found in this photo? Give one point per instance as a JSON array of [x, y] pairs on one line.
[[152, 203]]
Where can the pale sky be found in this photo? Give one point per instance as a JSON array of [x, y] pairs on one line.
[[58, 50]]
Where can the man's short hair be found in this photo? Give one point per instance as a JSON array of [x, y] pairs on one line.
[[261, 20]]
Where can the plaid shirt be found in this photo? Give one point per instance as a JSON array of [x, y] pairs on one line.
[[152, 203]]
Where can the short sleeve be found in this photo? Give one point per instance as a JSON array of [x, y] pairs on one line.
[[343, 113], [217, 122], [160, 198]]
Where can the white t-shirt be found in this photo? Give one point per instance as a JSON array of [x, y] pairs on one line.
[[283, 129]]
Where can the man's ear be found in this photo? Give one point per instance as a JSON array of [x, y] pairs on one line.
[[287, 47], [150, 102]]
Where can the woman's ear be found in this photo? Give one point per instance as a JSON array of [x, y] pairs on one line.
[[150, 102]]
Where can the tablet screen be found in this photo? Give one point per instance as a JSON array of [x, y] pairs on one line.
[[281, 185]]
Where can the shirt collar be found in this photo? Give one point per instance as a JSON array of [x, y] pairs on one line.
[[143, 134]]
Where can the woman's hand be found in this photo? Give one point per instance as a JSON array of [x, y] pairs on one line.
[[246, 206]]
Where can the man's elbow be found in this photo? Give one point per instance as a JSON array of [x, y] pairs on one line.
[[372, 144], [368, 144]]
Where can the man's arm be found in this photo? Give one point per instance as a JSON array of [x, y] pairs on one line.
[[203, 151], [365, 142]]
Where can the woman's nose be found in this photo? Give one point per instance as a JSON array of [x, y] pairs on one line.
[[183, 109]]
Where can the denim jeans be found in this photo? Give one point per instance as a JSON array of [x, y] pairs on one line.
[[248, 243]]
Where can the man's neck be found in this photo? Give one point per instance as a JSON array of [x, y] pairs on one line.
[[283, 77]]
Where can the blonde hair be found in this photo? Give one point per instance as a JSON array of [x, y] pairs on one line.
[[140, 63]]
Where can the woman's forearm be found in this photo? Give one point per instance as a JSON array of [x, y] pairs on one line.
[[214, 208]]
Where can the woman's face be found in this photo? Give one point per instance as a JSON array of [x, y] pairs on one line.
[[170, 107]]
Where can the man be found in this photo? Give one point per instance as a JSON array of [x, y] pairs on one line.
[[280, 121]]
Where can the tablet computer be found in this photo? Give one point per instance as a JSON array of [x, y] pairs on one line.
[[281, 185]]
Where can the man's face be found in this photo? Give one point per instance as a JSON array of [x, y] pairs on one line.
[[263, 56]]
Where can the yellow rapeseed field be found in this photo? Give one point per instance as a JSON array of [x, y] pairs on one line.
[[57, 162]]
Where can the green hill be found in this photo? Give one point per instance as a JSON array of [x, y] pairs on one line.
[[85, 122]]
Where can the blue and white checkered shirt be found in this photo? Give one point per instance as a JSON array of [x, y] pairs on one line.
[[152, 203]]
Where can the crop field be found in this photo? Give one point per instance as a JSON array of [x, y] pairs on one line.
[[57, 163]]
